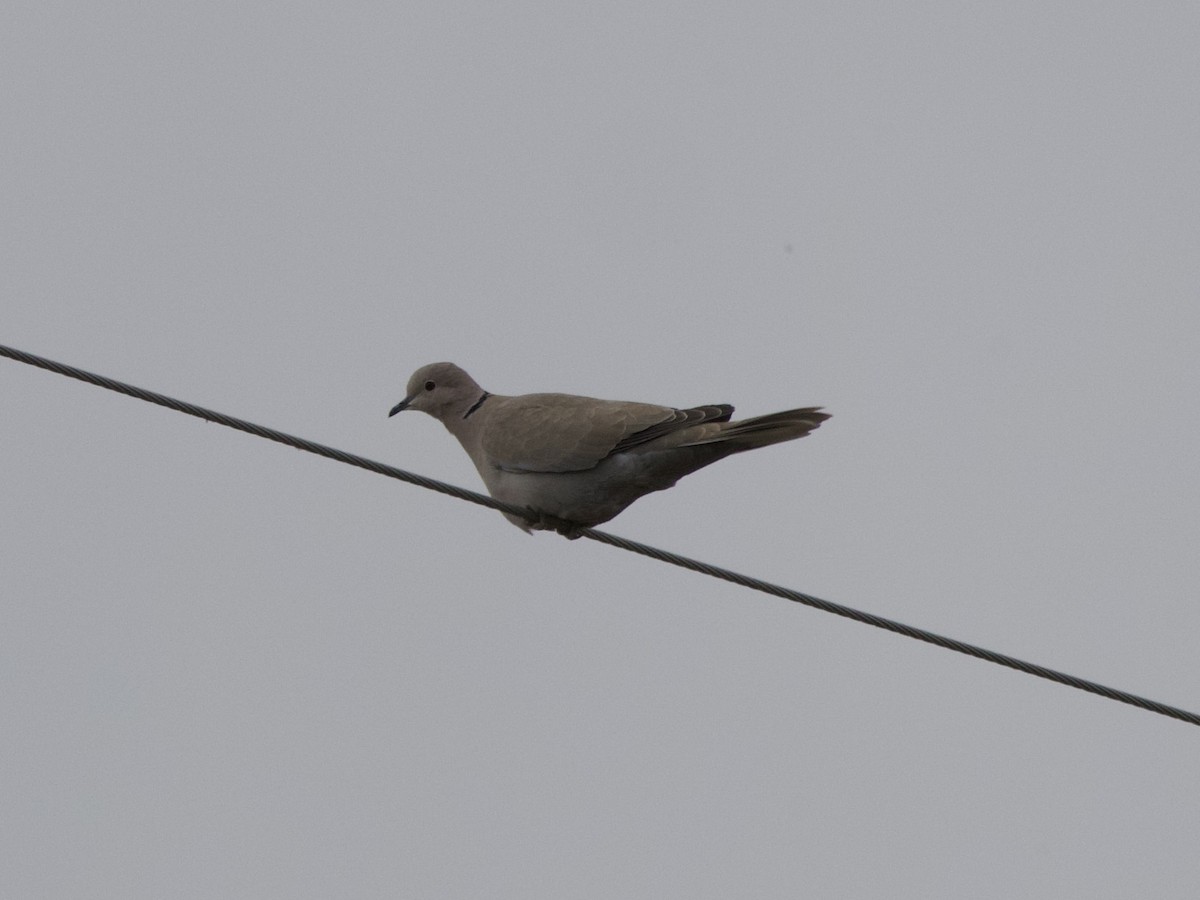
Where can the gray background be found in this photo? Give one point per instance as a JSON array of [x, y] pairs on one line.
[[234, 670]]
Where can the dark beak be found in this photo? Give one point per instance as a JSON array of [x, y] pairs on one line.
[[400, 407]]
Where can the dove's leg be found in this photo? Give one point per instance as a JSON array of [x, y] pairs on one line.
[[543, 521]]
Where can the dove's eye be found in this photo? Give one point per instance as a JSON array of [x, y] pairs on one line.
[[429, 385]]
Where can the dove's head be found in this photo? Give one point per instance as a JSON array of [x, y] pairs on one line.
[[441, 389]]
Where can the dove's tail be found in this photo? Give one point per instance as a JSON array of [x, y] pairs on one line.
[[762, 431]]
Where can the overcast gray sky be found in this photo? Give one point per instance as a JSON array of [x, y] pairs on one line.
[[971, 231]]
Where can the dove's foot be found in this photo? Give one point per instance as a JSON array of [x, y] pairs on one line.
[[541, 521]]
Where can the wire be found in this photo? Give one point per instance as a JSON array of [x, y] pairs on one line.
[[666, 556]]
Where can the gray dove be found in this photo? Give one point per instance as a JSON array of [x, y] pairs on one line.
[[575, 461]]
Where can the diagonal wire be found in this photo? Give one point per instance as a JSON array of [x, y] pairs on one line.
[[666, 556]]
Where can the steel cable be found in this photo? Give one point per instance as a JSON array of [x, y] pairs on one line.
[[666, 556]]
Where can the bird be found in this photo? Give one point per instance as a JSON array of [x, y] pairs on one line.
[[574, 462]]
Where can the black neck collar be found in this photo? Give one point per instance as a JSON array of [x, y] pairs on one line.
[[478, 403]]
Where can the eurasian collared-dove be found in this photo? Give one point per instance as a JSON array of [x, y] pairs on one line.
[[576, 461]]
